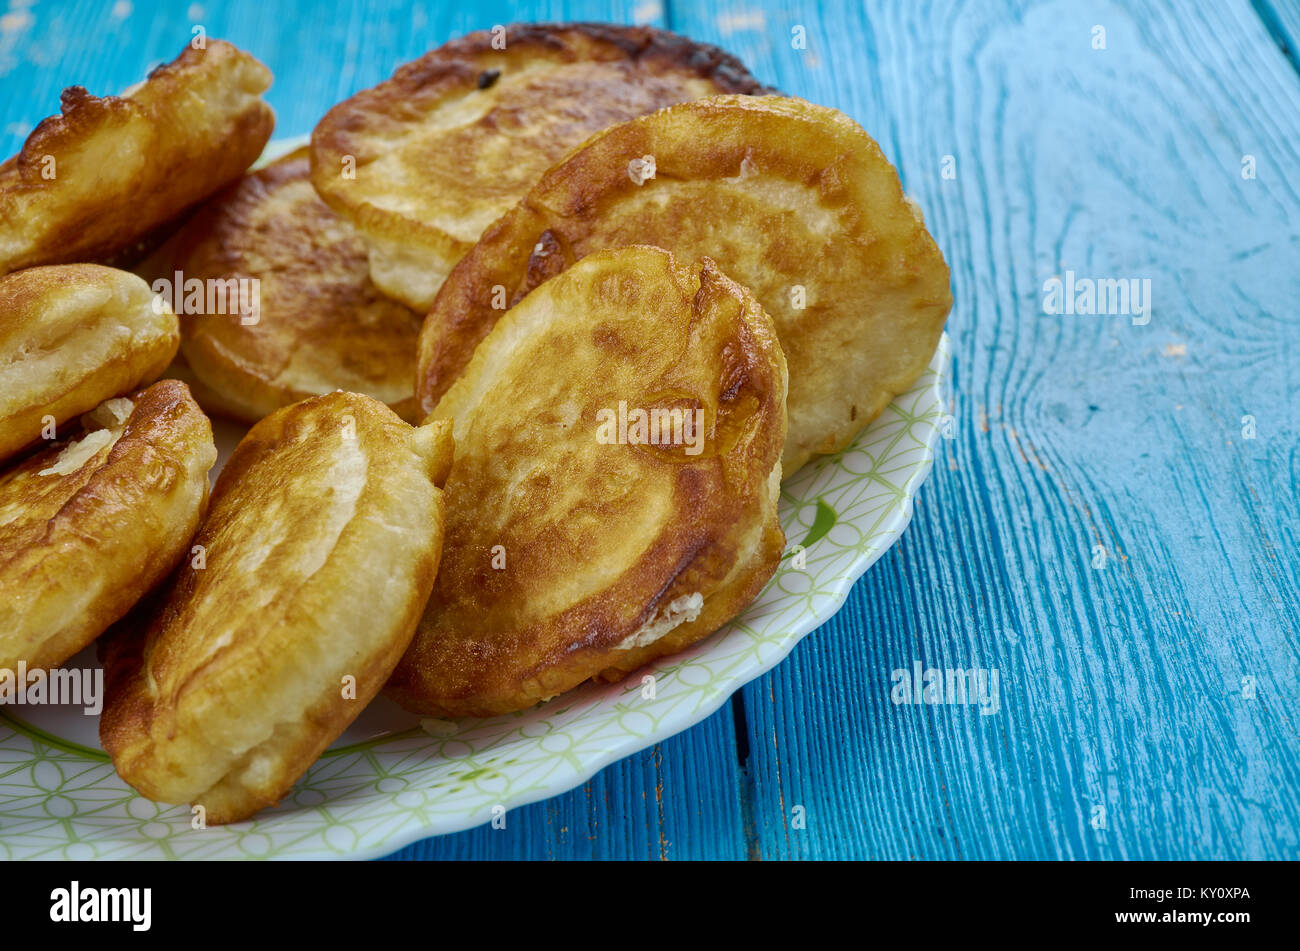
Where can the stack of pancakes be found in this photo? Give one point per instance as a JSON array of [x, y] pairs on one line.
[[539, 326]]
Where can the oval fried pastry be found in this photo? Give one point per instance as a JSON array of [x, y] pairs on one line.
[[423, 162], [90, 183], [89, 525], [71, 336], [613, 497], [320, 548], [792, 200], [320, 325]]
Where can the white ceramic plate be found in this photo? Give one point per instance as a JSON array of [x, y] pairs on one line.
[[393, 779]]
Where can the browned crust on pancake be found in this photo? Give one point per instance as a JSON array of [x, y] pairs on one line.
[[450, 68], [120, 526], [322, 325], [853, 348], [234, 689], [162, 149], [65, 345], [494, 641], [374, 122]]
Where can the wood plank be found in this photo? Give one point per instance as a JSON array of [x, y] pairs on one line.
[[1121, 687], [1282, 20]]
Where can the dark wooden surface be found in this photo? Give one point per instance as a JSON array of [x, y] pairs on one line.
[[1161, 686]]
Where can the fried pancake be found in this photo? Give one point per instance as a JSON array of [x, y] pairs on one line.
[[580, 548], [71, 336], [792, 200], [422, 163], [321, 325], [322, 541], [93, 181], [89, 525]]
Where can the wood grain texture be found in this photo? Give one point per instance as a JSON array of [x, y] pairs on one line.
[[1122, 687], [1282, 20], [1161, 687]]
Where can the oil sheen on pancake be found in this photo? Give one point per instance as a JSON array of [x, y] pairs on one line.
[[794, 201], [72, 336], [94, 182], [614, 494], [89, 524], [320, 549], [422, 163], [320, 324]]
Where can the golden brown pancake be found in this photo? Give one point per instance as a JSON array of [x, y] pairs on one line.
[[90, 183], [71, 336], [579, 546], [88, 525], [422, 163], [321, 542], [792, 200], [321, 325]]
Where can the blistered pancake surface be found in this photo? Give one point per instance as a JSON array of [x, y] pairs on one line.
[[88, 525], [580, 547], [93, 181], [319, 552], [794, 201], [319, 323], [424, 162], [72, 336]]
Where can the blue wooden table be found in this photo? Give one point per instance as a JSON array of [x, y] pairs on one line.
[[1113, 525]]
